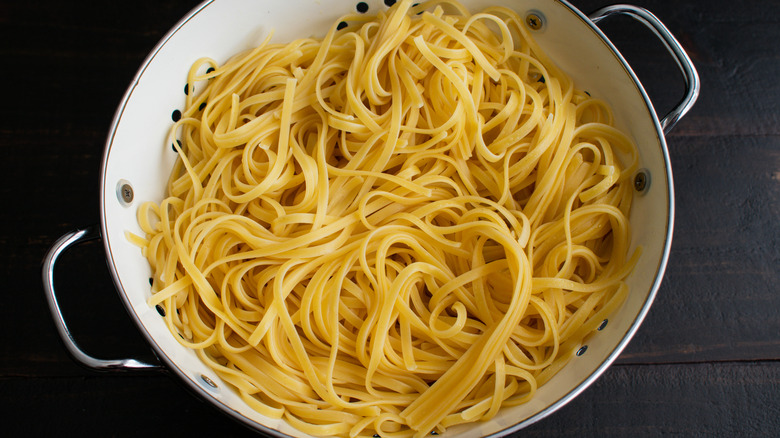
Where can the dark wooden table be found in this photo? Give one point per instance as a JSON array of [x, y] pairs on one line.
[[705, 363]]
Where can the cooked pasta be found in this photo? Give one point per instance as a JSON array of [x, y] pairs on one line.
[[403, 226]]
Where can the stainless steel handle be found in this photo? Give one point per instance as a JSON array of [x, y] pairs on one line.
[[672, 46], [64, 242]]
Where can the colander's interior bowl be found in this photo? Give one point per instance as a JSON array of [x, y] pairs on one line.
[[136, 153]]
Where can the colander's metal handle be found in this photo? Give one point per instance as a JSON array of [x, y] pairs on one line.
[[672, 46], [64, 242]]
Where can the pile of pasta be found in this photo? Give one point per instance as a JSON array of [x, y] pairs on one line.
[[403, 226]]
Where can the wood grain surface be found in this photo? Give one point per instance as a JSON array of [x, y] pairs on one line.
[[706, 362]]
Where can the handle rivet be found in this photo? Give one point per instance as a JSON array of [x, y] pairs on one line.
[[641, 181], [534, 21], [124, 192]]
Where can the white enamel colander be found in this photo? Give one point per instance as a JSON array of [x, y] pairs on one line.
[[137, 163]]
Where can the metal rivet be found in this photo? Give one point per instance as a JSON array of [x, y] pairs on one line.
[[208, 381], [582, 350], [641, 181], [127, 193], [124, 192], [602, 325], [534, 21]]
